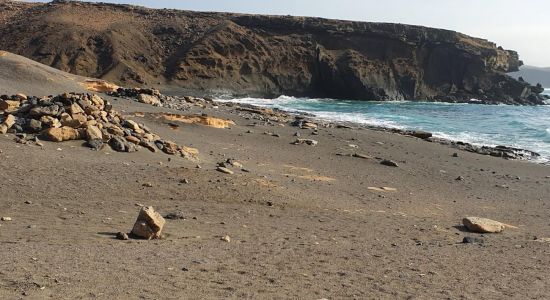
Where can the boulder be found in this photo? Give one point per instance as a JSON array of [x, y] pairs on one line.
[[118, 144], [93, 133], [49, 121], [9, 105], [133, 125], [132, 139], [95, 144], [149, 224], [170, 148], [37, 112], [148, 145], [62, 134], [75, 109], [34, 126], [482, 225], [149, 99], [9, 121]]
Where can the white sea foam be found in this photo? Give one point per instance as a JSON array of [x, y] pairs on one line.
[[520, 127]]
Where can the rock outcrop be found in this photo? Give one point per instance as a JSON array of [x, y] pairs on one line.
[[262, 55]]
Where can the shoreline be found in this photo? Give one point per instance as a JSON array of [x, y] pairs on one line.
[[503, 151]]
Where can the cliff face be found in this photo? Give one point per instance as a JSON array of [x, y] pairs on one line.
[[262, 55]]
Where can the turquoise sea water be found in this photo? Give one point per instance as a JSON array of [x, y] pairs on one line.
[[526, 127]]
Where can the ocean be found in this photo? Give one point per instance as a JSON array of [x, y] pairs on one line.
[[526, 127]]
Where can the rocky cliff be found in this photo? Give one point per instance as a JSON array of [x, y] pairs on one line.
[[262, 55]]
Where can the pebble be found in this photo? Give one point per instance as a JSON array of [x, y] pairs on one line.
[[147, 184], [472, 240], [224, 170], [6, 219], [185, 181], [389, 163], [460, 178], [122, 236], [226, 239], [178, 215]]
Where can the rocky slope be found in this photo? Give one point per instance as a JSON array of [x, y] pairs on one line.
[[262, 55]]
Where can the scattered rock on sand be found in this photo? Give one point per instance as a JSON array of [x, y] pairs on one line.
[[306, 141], [149, 224], [482, 225], [225, 170], [472, 240], [382, 189], [178, 215], [419, 134], [122, 236], [363, 156], [389, 163]]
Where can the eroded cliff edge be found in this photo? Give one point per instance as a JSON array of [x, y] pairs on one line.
[[262, 56]]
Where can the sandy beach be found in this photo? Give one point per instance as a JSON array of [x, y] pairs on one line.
[[304, 222]]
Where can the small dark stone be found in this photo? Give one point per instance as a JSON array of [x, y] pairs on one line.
[[122, 236], [389, 163], [455, 154], [118, 144], [175, 216], [185, 181], [95, 144], [472, 240], [460, 178]]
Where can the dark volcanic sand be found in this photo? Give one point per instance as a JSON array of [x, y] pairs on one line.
[[325, 238]]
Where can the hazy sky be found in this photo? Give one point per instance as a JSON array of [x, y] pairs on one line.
[[523, 26]]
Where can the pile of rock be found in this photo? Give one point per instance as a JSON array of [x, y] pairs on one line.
[[156, 98], [148, 96], [79, 117]]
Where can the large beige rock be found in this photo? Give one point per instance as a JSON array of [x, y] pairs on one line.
[[149, 224], [50, 121], [133, 125], [9, 105], [482, 225], [9, 121], [148, 99], [97, 101], [7, 124], [62, 134], [170, 148], [93, 133], [75, 109]]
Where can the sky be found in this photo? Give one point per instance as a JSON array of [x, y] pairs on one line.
[[523, 26]]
